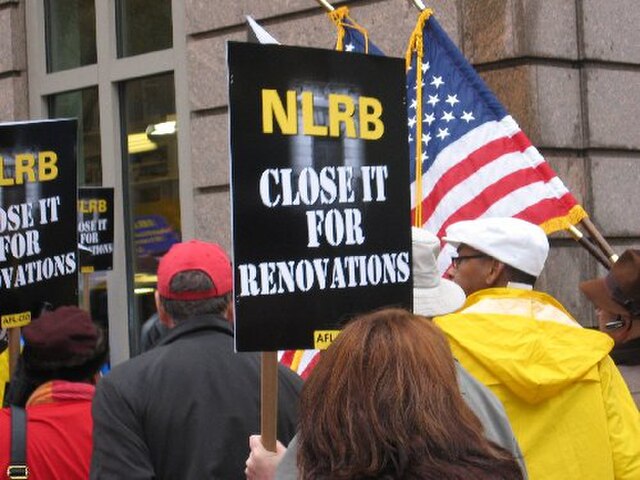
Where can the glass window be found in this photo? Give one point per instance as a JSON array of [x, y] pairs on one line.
[[151, 188], [83, 105], [143, 26], [70, 34]]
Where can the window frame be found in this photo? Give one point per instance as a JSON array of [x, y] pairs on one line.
[[107, 74]]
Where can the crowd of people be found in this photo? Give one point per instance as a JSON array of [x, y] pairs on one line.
[[486, 378]]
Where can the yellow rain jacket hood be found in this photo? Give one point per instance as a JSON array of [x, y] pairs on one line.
[[570, 409]]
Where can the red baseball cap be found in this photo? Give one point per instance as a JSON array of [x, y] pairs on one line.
[[195, 255]]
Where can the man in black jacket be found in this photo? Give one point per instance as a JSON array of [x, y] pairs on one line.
[[184, 409]]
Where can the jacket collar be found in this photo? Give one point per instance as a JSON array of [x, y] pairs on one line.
[[196, 324], [58, 391]]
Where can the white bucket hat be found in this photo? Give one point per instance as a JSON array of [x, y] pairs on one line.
[[432, 294], [515, 242]]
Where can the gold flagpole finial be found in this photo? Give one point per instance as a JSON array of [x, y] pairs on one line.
[[419, 5], [326, 5]]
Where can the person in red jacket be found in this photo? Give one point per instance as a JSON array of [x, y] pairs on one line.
[[54, 381]]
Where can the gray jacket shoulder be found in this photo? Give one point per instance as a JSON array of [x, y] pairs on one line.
[[490, 412], [288, 468]]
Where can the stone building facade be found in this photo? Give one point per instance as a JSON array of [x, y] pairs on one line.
[[567, 70]]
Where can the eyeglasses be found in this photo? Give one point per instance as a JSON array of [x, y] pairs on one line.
[[615, 324], [455, 261]]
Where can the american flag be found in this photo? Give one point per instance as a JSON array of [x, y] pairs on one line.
[[351, 38], [474, 159], [469, 158]]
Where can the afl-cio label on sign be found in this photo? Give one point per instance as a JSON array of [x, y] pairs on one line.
[[16, 320], [322, 339]]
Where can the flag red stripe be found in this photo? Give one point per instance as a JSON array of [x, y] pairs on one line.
[[548, 173], [494, 192], [287, 358], [548, 208], [469, 165]]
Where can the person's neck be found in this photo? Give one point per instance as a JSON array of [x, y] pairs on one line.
[[519, 285]]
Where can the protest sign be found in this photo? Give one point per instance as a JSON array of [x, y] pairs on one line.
[[320, 204], [38, 243], [95, 228]]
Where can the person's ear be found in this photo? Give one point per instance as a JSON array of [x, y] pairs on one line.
[[229, 313], [634, 329], [495, 274], [164, 317]]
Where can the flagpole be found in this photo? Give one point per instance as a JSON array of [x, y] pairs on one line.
[[599, 239], [327, 6], [419, 5], [579, 237]]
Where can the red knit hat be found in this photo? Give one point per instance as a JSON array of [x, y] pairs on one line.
[[61, 335], [195, 255]]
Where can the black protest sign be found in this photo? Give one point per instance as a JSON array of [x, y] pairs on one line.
[[38, 242], [320, 191], [95, 228]]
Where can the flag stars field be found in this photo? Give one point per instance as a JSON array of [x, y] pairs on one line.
[[467, 116], [452, 100], [448, 116], [437, 81], [433, 100], [442, 133]]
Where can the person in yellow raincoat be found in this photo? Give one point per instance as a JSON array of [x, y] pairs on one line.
[[569, 407]]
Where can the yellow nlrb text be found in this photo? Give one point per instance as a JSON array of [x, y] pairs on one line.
[[29, 168], [341, 112], [323, 338], [91, 206]]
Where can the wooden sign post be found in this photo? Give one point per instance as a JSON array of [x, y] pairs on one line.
[[86, 291], [14, 349], [269, 400]]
